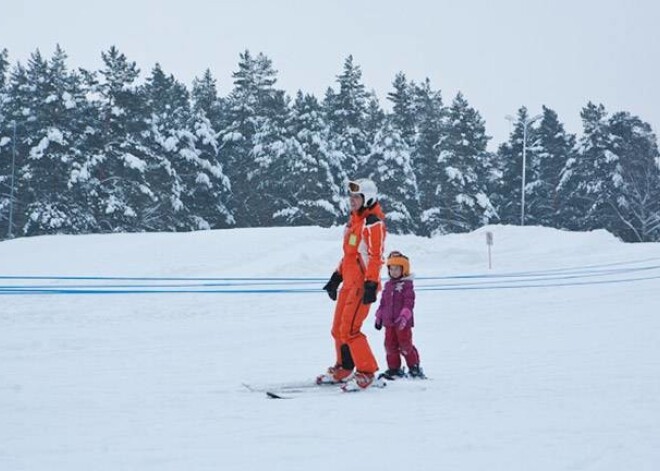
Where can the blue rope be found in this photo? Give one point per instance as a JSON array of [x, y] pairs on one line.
[[64, 291], [239, 285], [228, 281]]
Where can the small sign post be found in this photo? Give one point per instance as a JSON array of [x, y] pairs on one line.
[[489, 243]]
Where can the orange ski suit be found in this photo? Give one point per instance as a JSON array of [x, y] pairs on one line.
[[364, 241]]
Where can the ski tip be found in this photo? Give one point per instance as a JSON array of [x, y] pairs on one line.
[[272, 395]]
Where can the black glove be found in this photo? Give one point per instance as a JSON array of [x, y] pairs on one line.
[[369, 295], [332, 285], [378, 325]]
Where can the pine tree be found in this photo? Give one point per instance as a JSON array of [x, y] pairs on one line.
[[374, 122], [209, 188], [553, 148], [391, 169], [191, 188], [310, 194], [342, 170], [613, 182], [461, 195], [584, 183], [13, 150], [47, 103], [118, 166], [347, 112], [254, 138], [634, 187], [6, 149], [168, 139], [430, 123], [404, 117], [25, 98], [269, 152], [206, 100], [4, 68]]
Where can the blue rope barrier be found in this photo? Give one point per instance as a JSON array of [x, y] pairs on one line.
[[286, 280], [239, 285], [485, 286]]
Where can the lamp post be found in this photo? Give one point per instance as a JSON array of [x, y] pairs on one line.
[[526, 122]]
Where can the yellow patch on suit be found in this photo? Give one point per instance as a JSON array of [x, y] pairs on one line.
[[352, 240]]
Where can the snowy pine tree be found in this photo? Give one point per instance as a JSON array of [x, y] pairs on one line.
[[206, 100], [585, 180], [613, 182], [347, 113], [167, 102], [6, 148], [311, 196], [552, 149], [404, 116], [47, 103], [430, 117], [4, 68], [16, 108], [374, 121], [209, 187], [461, 201], [117, 167], [99, 152], [254, 139], [191, 187], [634, 187], [389, 165]]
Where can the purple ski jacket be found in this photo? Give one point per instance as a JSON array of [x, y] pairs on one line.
[[397, 299]]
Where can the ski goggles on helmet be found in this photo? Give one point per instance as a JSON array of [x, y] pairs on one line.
[[354, 187]]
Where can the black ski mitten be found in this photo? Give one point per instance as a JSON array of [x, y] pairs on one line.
[[333, 284], [369, 295]]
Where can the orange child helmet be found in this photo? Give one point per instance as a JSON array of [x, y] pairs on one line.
[[397, 258]]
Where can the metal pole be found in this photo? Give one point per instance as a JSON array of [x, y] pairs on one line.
[[524, 159], [11, 198]]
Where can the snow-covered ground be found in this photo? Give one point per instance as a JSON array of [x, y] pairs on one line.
[[548, 361]]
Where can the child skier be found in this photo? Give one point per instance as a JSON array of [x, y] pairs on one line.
[[395, 312]]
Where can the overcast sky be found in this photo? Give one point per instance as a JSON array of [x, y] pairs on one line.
[[502, 54]]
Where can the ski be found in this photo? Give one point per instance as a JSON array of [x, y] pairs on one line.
[[377, 384], [290, 393], [290, 390], [286, 387], [293, 390]]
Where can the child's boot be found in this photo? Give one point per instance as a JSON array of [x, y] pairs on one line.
[[416, 371], [391, 374]]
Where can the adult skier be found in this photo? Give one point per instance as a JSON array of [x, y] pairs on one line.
[[359, 274]]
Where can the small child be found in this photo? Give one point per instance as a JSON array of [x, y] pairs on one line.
[[395, 312]]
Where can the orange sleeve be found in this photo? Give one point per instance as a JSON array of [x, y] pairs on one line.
[[374, 235], [338, 269]]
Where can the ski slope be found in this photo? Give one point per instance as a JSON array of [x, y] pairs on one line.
[[131, 351]]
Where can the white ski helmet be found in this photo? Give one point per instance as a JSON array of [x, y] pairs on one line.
[[366, 188]]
